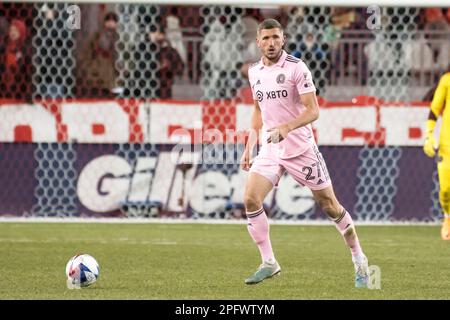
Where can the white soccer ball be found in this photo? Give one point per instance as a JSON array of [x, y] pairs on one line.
[[82, 270]]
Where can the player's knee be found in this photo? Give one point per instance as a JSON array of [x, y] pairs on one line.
[[252, 203]]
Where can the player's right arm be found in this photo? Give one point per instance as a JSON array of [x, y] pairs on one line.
[[436, 107], [256, 125]]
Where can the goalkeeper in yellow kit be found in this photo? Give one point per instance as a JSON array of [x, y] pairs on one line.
[[441, 106]]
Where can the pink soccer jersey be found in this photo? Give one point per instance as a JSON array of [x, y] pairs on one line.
[[277, 88]]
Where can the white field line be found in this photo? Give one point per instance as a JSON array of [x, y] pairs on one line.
[[205, 221], [97, 241]]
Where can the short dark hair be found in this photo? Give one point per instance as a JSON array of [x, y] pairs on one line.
[[269, 24], [111, 16]]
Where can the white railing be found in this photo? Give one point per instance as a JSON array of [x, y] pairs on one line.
[[357, 54], [425, 57]]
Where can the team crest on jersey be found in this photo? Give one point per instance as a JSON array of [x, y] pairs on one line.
[[280, 78]]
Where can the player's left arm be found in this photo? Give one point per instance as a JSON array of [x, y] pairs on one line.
[[310, 114]]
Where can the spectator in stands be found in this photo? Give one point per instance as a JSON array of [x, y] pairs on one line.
[[251, 52], [48, 83], [437, 29], [170, 64], [388, 78], [347, 63], [435, 19], [316, 56], [98, 72], [175, 37], [309, 49], [417, 55], [222, 60], [342, 17], [15, 63]]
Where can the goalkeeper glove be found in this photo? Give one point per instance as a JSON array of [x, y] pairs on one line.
[[430, 144]]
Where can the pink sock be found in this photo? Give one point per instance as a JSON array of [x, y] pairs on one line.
[[345, 226], [258, 227]]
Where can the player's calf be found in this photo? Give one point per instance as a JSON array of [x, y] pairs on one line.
[[344, 224], [444, 199]]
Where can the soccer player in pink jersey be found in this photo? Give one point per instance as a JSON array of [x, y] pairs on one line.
[[285, 105]]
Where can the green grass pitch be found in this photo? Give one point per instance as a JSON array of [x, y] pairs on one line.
[[211, 261]]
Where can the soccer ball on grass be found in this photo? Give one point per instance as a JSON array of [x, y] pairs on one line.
[[82, 270]]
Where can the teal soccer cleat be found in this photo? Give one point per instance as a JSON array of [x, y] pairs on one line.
[[362, 273], [265, 271]]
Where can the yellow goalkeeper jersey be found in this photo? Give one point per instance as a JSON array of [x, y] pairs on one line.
[[441, 106]]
